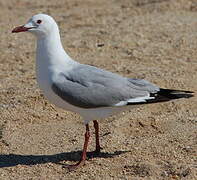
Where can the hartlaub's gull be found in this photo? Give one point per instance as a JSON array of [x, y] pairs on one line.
[[92, 92]]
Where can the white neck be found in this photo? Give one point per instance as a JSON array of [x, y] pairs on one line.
[[51, 59], [49, 48]]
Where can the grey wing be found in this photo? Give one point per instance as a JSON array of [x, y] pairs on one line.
[[91, 96], [90, 87], [142, 84]]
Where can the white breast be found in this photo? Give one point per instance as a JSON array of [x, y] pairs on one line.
[[44, 72]]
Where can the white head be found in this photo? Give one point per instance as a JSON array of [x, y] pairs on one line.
[[40, 25]]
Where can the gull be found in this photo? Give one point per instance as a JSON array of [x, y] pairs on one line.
[[92, 92]]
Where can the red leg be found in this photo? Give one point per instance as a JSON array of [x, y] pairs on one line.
[[83, 156], [96, 127]]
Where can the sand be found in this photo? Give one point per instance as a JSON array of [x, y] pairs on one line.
[[151, 39]]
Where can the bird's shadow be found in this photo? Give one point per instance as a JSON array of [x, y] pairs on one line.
[[9, 160]]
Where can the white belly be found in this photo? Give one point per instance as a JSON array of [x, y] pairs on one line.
[[87, 114]]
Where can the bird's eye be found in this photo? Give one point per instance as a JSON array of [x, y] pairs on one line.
[[39, 21]]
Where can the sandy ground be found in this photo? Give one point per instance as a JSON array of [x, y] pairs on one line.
[[151, 39]]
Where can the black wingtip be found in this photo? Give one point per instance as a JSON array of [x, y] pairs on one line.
[[175, 94], [164, 95]]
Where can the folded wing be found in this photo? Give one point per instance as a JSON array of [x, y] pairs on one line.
[[90, 87]]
